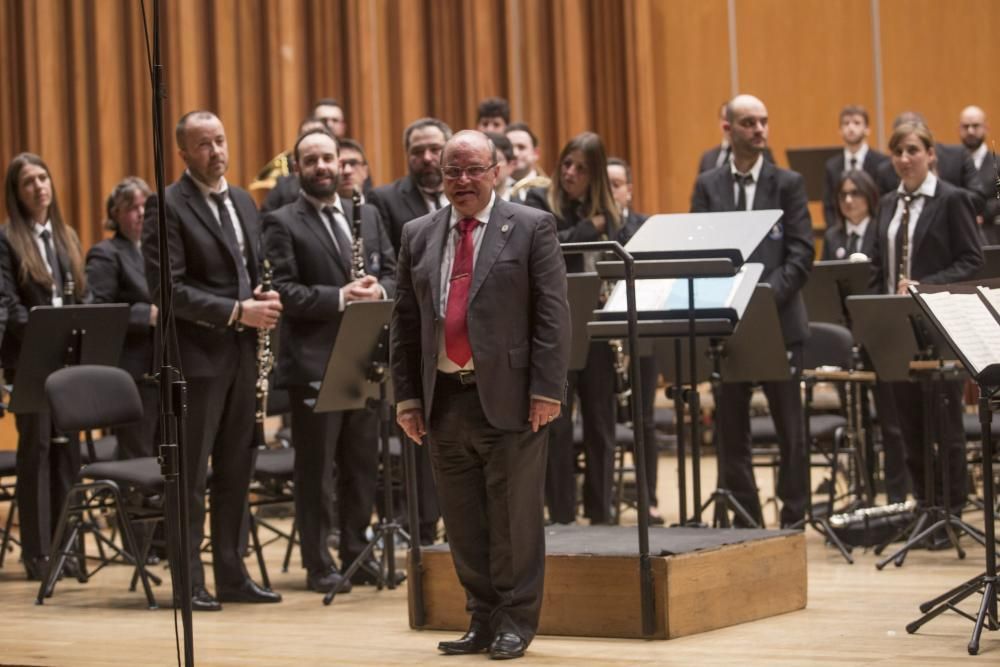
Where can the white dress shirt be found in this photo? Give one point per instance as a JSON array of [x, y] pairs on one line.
[[751, 188], [57, 290], [926, 190], [859, 157]]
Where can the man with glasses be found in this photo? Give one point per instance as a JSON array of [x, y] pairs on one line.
[[353, 170], [480, 349]]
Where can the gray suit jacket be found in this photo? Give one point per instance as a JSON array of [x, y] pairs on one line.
[[518, 314]]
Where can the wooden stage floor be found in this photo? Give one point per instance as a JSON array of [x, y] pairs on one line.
[[855, 616]]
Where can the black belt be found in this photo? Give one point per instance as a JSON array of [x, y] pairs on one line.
[[464, 379]]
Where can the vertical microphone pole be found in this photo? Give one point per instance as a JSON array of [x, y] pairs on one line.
[[172, 390]]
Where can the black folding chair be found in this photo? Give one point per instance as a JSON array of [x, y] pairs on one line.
[[84, 398], [8, 494]]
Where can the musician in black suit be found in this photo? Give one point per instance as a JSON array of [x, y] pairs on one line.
[[39, 256], [749, 182], [580, 198], [973, 128], [721, 154], [212, 235], [286, 186], [526, 167], [406, 198], [480, 344], [857, 154], [620, 179], [116, 274], [310, 244], [854, 231], [926, 234]]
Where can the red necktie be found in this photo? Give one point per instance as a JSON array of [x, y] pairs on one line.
[[456, 329]]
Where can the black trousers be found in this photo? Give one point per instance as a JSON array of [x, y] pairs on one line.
[[220, 424], [785, 403], [944, 408], [897, 481], [345, 441], [594, 384], [45, 474], [491, 487]]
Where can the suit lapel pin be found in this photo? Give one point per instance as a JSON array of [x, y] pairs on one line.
[[505, 228]]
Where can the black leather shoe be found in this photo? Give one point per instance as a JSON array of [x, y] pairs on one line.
[[507, 645], [368, 574], [476, 640], [324, 582], [202, 600], [248, 591]]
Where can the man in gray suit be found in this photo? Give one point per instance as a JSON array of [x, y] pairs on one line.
[[480, 349]]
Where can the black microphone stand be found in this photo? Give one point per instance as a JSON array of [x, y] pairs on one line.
[[173, 389]]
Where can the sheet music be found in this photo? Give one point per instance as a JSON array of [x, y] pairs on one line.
[[970, 326], [992, 297]]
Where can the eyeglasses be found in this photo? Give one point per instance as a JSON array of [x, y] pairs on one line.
[[474, 172], [844, 196], [353, 164]]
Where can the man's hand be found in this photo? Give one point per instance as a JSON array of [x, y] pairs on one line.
[[263, 310], [542, 413], [903, 286], [599, 223], [364, 289], [154, 314], [412, 423]]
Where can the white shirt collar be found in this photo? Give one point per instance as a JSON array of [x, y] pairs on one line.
[[859, 228], [979, 155], [40, 228], [926, 188], [860, 155], [483, 216], [320, 205], [754, 170], [206, 190]]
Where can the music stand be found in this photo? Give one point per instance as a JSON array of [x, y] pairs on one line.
[[811, 163], [991, 263], [582, 290], [829, 284], [904, 345], [972, 325], [356, 379], [58, 336]]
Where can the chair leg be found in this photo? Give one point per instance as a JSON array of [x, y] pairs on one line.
[[5, 545], [131, 547], [291, 545], [265, 580], [56, 560]]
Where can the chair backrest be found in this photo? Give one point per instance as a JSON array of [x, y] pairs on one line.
[[89, 397], [828, 345]]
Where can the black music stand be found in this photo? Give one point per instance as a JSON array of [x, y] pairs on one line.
[[904, 345], [691, 246], [982, 360], [991, 263], [356, 378], [65, 336], [755, 352], [829, 284], [811, 163], [582, 290]]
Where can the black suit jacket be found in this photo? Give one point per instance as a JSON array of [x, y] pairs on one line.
[[284, 192], [630, 226], [835, 241], [946, 245], [518, 316], [711, 156], [116, 274], [986, 181], [835, 166], [787, 252], [573, 228], [398, 203], [308, 273], [205, 279]]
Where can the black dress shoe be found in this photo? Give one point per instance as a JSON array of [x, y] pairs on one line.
[[202, 600], [507, 645], [476, 640], [324, 582], [368, 574], [248, 591]]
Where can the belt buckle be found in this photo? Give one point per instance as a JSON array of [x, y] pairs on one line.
[[466, 378]]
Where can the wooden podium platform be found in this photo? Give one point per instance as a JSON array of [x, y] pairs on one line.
[[704, 579]]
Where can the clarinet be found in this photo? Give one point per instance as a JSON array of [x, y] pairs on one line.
[[69, 290], [265, 358], [358, 243], [623, 390]]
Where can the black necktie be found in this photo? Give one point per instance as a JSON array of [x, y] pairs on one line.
[[852, 243], [854, 163], [903, 238], [742, 180], [229, 234], [435, 198], [50, 256], [343, 243]]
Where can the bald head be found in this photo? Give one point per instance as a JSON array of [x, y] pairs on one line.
[[469, 165], [746, 122], [972, 127]]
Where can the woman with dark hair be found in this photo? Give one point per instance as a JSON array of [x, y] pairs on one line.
[[42, 265], [853, 230], [116, 274], [585, 210], [926, 234]]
